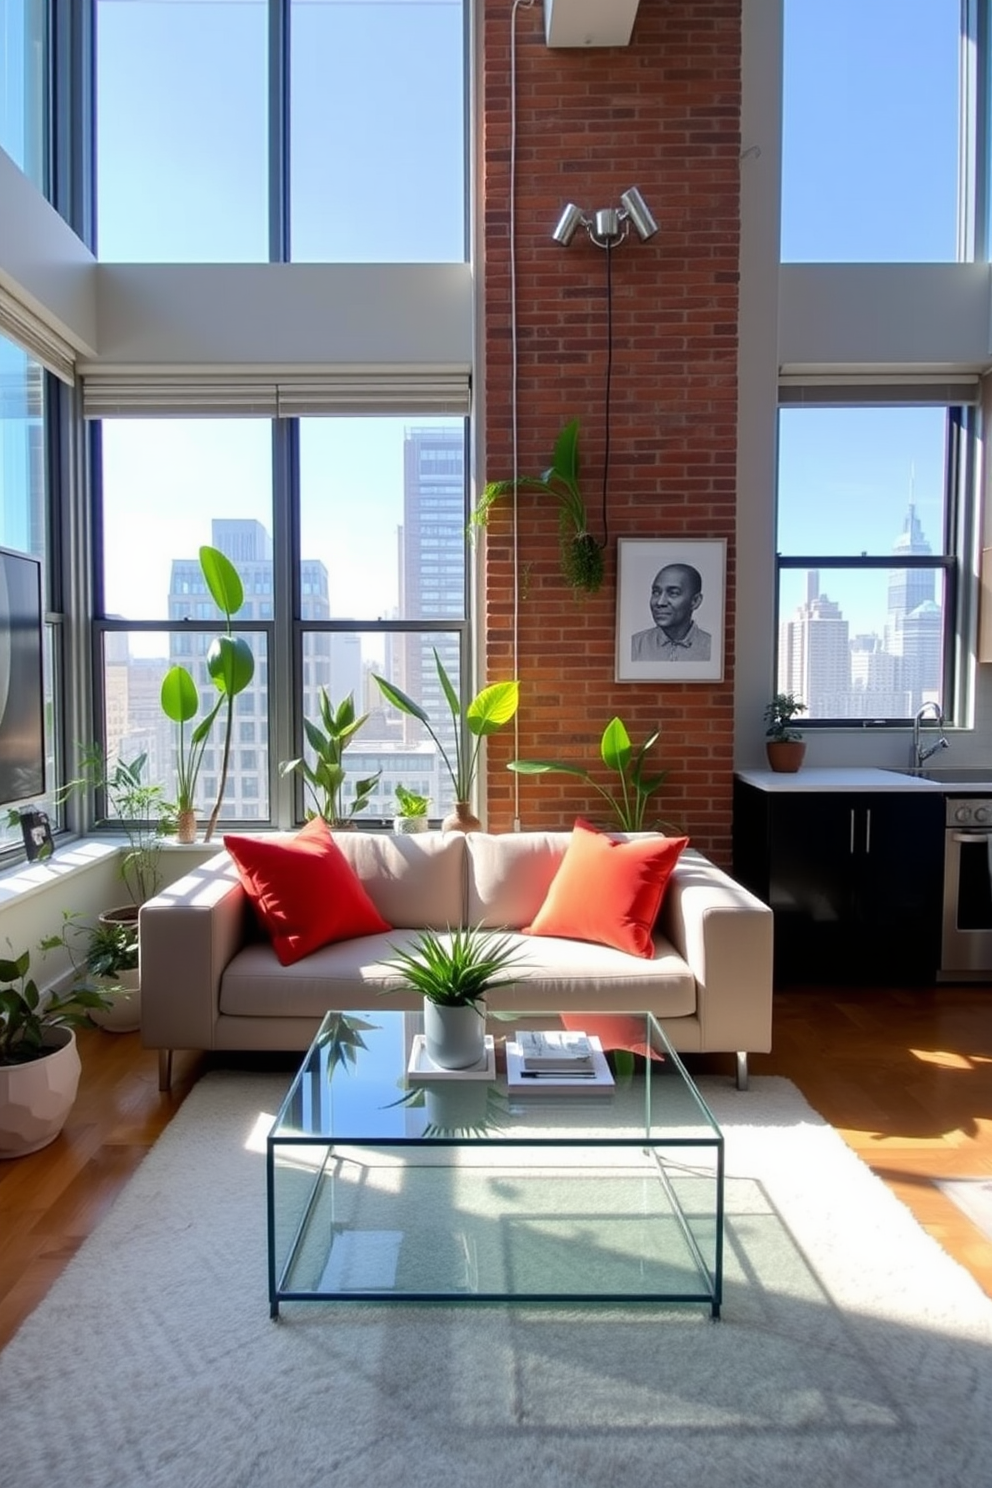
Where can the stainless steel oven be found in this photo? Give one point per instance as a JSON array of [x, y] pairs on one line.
[[966, 939]]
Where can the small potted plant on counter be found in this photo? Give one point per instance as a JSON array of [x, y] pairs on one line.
[[784, 745]]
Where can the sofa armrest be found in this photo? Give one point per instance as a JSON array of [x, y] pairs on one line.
[[724, 932], [187, 935]]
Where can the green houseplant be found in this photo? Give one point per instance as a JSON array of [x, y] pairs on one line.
[[488, 711], [634, 789], [581, 554], [411, 811], [180, 702], [104, 958], [325, 778], [229, 658], [784, 744], [39, 1062], [453, 972], [142, 812]]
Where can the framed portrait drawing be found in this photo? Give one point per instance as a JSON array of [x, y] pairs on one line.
[[671, 599]]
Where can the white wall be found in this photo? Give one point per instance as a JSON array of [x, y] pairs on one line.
[[42, 263]]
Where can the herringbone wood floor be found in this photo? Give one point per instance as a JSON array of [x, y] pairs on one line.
[[905, 1076]]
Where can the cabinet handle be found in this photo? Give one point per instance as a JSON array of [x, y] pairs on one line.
[[868, 830], [852, 831]]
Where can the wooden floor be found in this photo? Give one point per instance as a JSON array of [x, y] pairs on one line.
[[905, 1076]]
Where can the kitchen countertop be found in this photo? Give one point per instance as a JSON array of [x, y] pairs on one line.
[[846, 779]]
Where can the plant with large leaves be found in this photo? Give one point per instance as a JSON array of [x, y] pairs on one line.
[[488, 711], [581, 554], [180, 701], [325, 778], [629, 800]]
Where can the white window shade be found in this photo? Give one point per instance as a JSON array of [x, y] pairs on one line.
[[214, 395], [29, 331], [879, 390]]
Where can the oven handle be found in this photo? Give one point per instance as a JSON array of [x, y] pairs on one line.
[[971, 836]]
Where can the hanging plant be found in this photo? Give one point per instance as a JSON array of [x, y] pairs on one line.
[[581, 554]]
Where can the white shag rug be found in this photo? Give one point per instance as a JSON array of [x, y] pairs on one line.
[[852, 1350]]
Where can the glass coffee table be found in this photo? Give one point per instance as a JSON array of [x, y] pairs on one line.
[[382, 1186]]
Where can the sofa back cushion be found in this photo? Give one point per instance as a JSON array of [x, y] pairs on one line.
[[413, 881], [510, 874]]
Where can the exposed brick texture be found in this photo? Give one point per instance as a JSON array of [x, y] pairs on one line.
[[662, 114]]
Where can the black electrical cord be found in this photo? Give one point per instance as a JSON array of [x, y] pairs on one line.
[[609, 378]]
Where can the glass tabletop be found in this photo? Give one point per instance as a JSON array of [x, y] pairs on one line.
[[353, 1086]]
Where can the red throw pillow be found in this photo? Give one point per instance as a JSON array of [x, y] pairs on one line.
[[305, 892], [609, 892]]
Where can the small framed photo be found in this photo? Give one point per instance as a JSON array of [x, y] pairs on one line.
[[671, 600]]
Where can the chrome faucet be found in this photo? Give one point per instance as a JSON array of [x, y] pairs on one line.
[[921, 754]]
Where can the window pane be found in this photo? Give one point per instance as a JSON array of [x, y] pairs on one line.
[[23, 94], [134, 665], [866, 644], [183, 483], [849, 476], [870, 131], [182, 141], [378, 131], [390, 741], [24, 528], [383, 514], [865, 482]]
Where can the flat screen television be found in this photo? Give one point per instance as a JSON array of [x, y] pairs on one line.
[[22, 724]]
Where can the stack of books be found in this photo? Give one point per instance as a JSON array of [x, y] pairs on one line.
[[542, 1062]]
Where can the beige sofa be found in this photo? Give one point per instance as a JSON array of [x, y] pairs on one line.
[[210, 980]]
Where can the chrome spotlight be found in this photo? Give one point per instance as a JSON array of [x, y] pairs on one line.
[[569, 220], [637, 210]]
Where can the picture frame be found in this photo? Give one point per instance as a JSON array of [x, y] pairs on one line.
[[646, 651]]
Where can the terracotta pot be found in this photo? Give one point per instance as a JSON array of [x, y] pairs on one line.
[[186, 826], [462, 819], [36, 1098], [785, 755]]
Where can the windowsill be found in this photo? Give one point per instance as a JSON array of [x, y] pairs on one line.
[[65, 863]]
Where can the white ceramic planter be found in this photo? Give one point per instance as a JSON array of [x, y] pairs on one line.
[[125, 1014], [454, 1037], [410, 826], [36, 1098]]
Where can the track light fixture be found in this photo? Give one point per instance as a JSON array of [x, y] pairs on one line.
[[610, 225]]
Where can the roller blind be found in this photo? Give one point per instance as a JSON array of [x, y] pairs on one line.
[[359, 391], [29, 331], [878, 391]]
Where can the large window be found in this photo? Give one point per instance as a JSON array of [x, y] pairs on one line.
[[344, 143], [24, 529], [868, 504], [23, 90], [870, 139]]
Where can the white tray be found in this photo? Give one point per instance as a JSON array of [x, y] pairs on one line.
[[422, 1068]]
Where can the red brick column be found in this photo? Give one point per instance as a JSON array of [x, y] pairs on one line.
[[661, 114]]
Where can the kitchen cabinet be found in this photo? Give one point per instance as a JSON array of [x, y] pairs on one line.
[[855, 881]]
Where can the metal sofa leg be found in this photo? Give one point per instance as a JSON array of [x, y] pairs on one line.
[[165, 1070], [742, 1077]]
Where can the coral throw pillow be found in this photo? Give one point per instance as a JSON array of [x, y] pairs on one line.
[[608, 892], [305, 892]]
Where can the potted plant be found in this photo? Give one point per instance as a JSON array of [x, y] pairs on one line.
[[104, 958], [581, 554], [488, 711], [180, 702], [141, 811], [229, 659], [784, 745], [325, 778], [39, 1062], [411, 811], [453, 971], [629, 800]]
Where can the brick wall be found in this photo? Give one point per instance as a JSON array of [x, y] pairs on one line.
[[662, 115]]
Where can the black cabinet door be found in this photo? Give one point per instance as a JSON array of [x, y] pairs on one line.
[[855, 881]]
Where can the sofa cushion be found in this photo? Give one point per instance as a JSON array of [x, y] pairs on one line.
[[415, 882], [303, 890], [510, 874], [550, 975], [609, 891]]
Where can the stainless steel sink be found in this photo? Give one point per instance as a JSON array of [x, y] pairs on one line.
[[961, 777]]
